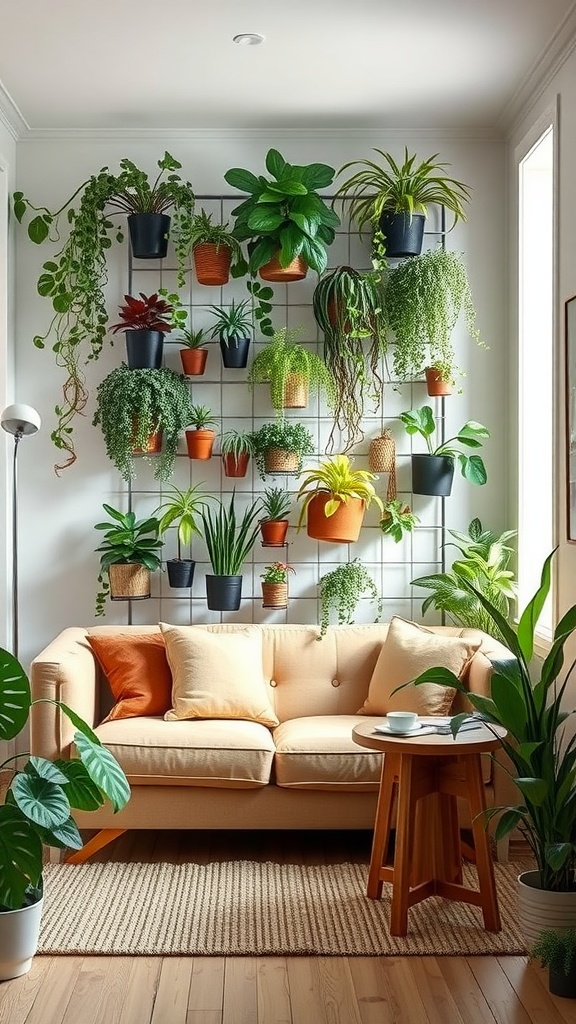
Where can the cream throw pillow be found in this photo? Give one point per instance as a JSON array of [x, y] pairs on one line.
[[216, 675], [408, 650]]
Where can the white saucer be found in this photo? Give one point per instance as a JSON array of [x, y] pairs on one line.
[[385, 728]]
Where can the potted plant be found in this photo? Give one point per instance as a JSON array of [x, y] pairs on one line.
[[483, 560], [397, 519], [349, 310], [528, 699], [142, 411], [288, 222], [424, 298], [200, 440], [74, 279], [180, 509], [433, 472], [214, 247], [276, 504], [280, 447], [394, 197], [39, 800], [229, 540], [233, 328], [275, 585], [144, 324], [291, 370], [341, 590], [193, 355], [236, 447], [129, 552], [334, 500], [555, 948]]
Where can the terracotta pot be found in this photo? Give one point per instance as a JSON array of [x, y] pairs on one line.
[[435, 386], [278, 460], [212, 263], [295, 391], [193, 361], [295, 271], [153, 445], [274, 595], [342, 527], [129, 581], [200, 443], [273, 532], [236, 466]]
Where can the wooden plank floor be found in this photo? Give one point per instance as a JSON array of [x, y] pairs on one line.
[[275, 990]]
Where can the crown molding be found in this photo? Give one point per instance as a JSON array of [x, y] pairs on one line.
[[11, 117], [541, 74]]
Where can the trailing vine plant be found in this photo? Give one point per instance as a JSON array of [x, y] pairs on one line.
[[341, 590]]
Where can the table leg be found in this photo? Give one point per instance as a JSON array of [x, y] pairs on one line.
[[404, 830], [382, 825], [484, 865]]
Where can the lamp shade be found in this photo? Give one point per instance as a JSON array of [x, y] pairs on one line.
[[20, 419]]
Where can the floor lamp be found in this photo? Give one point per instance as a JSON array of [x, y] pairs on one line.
[[20, 421]]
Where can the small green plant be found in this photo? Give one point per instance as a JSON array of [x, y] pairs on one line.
[[337, 477], [236, 443], [276, 504], [284, 356], [397, 519], [421, 421], [262, 295], [193, 339], [555, 948], [180, 509], [126, 540], [232, 323], [484, 563], [200, 417], [230, 540], [277, 572], [204, 231], [341, 590], [290, 437]]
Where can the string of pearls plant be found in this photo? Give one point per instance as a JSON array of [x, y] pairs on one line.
[[341, 590]]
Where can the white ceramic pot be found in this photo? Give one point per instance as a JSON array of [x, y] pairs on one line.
[[19, 931], [540, 908]]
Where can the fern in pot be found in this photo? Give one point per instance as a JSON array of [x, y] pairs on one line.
[[293, 371]]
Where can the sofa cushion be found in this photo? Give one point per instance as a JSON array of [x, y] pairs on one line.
[[408, 650], [217, 676], [137, 671], [319, 753], [203, 752]]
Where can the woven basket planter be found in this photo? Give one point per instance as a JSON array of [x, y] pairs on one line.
[[295, 271], [274, 595], [382, 459], [341, 528], [212, 263], [278, 460], [295, 391], [130, 581]]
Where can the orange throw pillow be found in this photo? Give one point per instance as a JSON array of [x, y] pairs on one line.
[[137, 671]]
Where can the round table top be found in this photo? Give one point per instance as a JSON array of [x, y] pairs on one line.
[[475, 741]]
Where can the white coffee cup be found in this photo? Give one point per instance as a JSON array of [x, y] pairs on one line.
[[401, 721]]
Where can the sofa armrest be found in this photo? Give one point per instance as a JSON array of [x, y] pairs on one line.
[[65, 670]]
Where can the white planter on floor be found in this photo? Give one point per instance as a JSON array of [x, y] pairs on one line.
[[19, 931], [540, 908]]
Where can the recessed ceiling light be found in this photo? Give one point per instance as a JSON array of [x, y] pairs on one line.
[[248, 39]]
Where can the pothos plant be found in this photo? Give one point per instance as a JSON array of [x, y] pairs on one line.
[[341, 591], [397, 519], [74, 279]]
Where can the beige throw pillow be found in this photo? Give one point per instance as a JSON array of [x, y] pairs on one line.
[[216, 675], [408, 650]]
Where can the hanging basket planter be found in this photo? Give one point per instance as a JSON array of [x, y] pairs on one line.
[[193, 361], [343, 527], [180, 572], [273, 532], [274, 595], [382, 459], [212, 263], [223, 593], [200, 443], [432, 474], [236, 465], [403, 234], [130, 581], [435, 385], [149, 235], [295, 271], [144, 349], [280, 460], [295, 392]]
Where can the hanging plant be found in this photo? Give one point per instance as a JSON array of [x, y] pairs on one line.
[[282, 362], [341, 590], [75, 278], [425, 296], [349, 309]]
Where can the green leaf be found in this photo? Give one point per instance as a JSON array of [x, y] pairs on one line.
[[45, 769], [65, 836], [558, 855], [243, 180], [104, 770], [531, 614], [511, 706], [38, 229], [41, 801], [473, 469], [316, 176], [535, 790], [15, 700], [265, 218], [83, 794], [507, 823], [275, 163], [20, 856]]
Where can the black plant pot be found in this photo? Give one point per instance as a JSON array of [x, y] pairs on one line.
[[149, 235], [403, 234], [180, 572], [223, 593], [144, 349], [561, 984], [432, 474], [235, 353]]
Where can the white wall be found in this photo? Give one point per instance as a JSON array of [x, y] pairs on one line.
[[58, 563]]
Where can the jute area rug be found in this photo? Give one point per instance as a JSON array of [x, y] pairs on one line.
[[240, 908]]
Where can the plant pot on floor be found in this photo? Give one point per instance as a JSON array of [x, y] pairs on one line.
[[236, 465], [432, 474], [193, 361], [435, 386], [235, 353], [273, 532], [129, 581], [561, 984], [274, 595], [342, 527], [19, 931], [403, 234], [144, 349], [223, 593], [212, 263], [200, 444], [149, 235], [180, 572], [540, 909], [295, 271]]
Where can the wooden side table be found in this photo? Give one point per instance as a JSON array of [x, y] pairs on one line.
[[429, 773]]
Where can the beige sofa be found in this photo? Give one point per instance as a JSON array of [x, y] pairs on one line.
[[307, 773]]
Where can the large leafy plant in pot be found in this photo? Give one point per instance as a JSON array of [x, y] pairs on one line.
[[39, 804], [334, 499], [129, 551], [75, 277], [433, 472]]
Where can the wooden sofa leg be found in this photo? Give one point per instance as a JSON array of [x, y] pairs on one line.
[[98, 842]]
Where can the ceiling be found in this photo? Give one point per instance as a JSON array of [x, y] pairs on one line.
[[149, 65]]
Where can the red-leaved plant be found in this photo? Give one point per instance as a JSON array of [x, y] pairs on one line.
[[148, 313]]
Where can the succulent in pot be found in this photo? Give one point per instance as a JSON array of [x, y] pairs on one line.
[[334, 499], [215, 250], [276, 504], [281, 447], [129, 552], [233, 327], [229, 538], [200, 439], [236, 447], [433, 472], [292, 370], [180, 509], [144, 322], [341, 591]]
